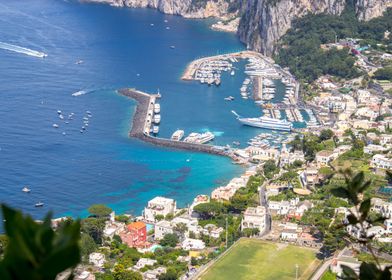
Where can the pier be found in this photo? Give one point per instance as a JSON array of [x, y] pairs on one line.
[[141, 124]]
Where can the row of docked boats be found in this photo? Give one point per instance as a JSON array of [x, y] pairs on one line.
[[210, 71], [156, 118], [194, 137]]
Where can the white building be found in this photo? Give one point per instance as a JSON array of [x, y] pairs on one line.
[[388, 225], [324, 157], [192, 244], [97, 259], [381, 161], [162, 228], [289, 235], [212, 230], [371, 149], [153, 274], [159, 206], [254, 217], [279, 207], [143, 262]]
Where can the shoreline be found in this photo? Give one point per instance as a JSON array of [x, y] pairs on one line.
[[142, 119]]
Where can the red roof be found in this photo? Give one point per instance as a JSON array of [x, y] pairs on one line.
[[136, 225]]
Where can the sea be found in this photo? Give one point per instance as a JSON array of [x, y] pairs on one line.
[[93, 50]]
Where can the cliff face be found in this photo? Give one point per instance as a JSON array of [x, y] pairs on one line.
[[263, 22], [185, 8]]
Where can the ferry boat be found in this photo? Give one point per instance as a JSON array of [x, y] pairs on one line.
[[26, 189], [265, 122], [177, 135], [205, 137], [157, 108], [157, 118]]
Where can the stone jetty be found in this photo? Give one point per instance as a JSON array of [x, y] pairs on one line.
[[141, 124]]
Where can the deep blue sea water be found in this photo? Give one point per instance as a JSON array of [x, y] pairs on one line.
[[70, 172]]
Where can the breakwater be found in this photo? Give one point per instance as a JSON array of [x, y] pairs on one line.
[[141, 124]]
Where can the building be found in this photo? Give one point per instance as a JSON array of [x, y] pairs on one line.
[[113, 228], [159, 206], [97, 259], [142, 262], [324, 157], [381, 161], [388, 226], [162, 228], [193, 244], [135, 234], [153, 274], [279, 207], [385, 139], [254, 218], [372, 149], [212, 231], [289, 235], [337, 265]]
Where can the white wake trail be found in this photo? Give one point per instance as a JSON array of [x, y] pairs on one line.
[[19, 49]]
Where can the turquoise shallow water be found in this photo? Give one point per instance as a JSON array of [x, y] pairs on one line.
[[70, 172]]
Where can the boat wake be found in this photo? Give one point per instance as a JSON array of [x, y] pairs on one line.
[[19, 49]]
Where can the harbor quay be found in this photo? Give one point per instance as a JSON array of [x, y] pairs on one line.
[[142, 122]]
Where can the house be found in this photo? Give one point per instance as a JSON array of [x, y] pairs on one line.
[[309, 177], [385, 139], [287, 157], [254, 218], [191, 224], [338, 263], [299, 210], [372, 149], [388, 226], [97, 259], [324, 157], [162, 228], [192, 244], [159, 206], [274, 189], [113, 228], [376, 231], [279, 207], [289, 235], [261, 154], [142, 262], [212, 231], [135, 234], [381, 161], [153, 274], [223, 193]]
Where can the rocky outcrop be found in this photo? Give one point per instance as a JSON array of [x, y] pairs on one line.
[[264, 22], [368, 9], [185, 8]]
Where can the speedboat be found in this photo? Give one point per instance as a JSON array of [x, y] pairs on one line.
[[26, 189], [39, 204], [55, 125], [155, 129]]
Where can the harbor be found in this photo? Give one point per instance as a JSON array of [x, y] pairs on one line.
[[142, 122]]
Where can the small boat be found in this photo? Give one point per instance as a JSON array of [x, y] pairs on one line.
[[151, 24], [64, 133], [167, 27], [165, 20], [61, 117], [229, 98], [59, 112], [79, 62], [188, 160], [155, 129], [237, 143], [232, 73], [39, 204], [172, 47], [26, 189], [55, 125]]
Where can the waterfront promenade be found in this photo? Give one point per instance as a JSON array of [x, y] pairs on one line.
[[141, 125]]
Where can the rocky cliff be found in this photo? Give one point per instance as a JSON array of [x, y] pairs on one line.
[[185, 8], [262, 22]]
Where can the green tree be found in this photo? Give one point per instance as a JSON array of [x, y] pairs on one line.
[[121, 273], [94, 227], [169, 240], [87, 244], [99, 211], [169, 275], [210, 209], [34, 250], [3, 244], [325, 134]]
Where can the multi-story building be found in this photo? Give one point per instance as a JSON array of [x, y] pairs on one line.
[[254, 217], [135, 234], [159, 206], [381, 161]]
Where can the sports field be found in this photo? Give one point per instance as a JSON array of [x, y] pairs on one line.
[[255, 259]]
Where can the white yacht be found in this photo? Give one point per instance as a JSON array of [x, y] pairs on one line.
[[157, 118], [177, 135], [157, 108], [265, 122], [26, 189], [55, 125], [205, 137], [155, 129], [191, 138]]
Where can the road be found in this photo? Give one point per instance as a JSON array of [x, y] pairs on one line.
[[264, 202], [322, 269]]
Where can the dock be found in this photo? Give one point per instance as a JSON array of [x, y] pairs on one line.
[[141, 124]]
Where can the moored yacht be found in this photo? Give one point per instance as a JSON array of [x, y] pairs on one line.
[[26, 189], [265, 122], [157, 108], [157, 118], [177, 135]]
